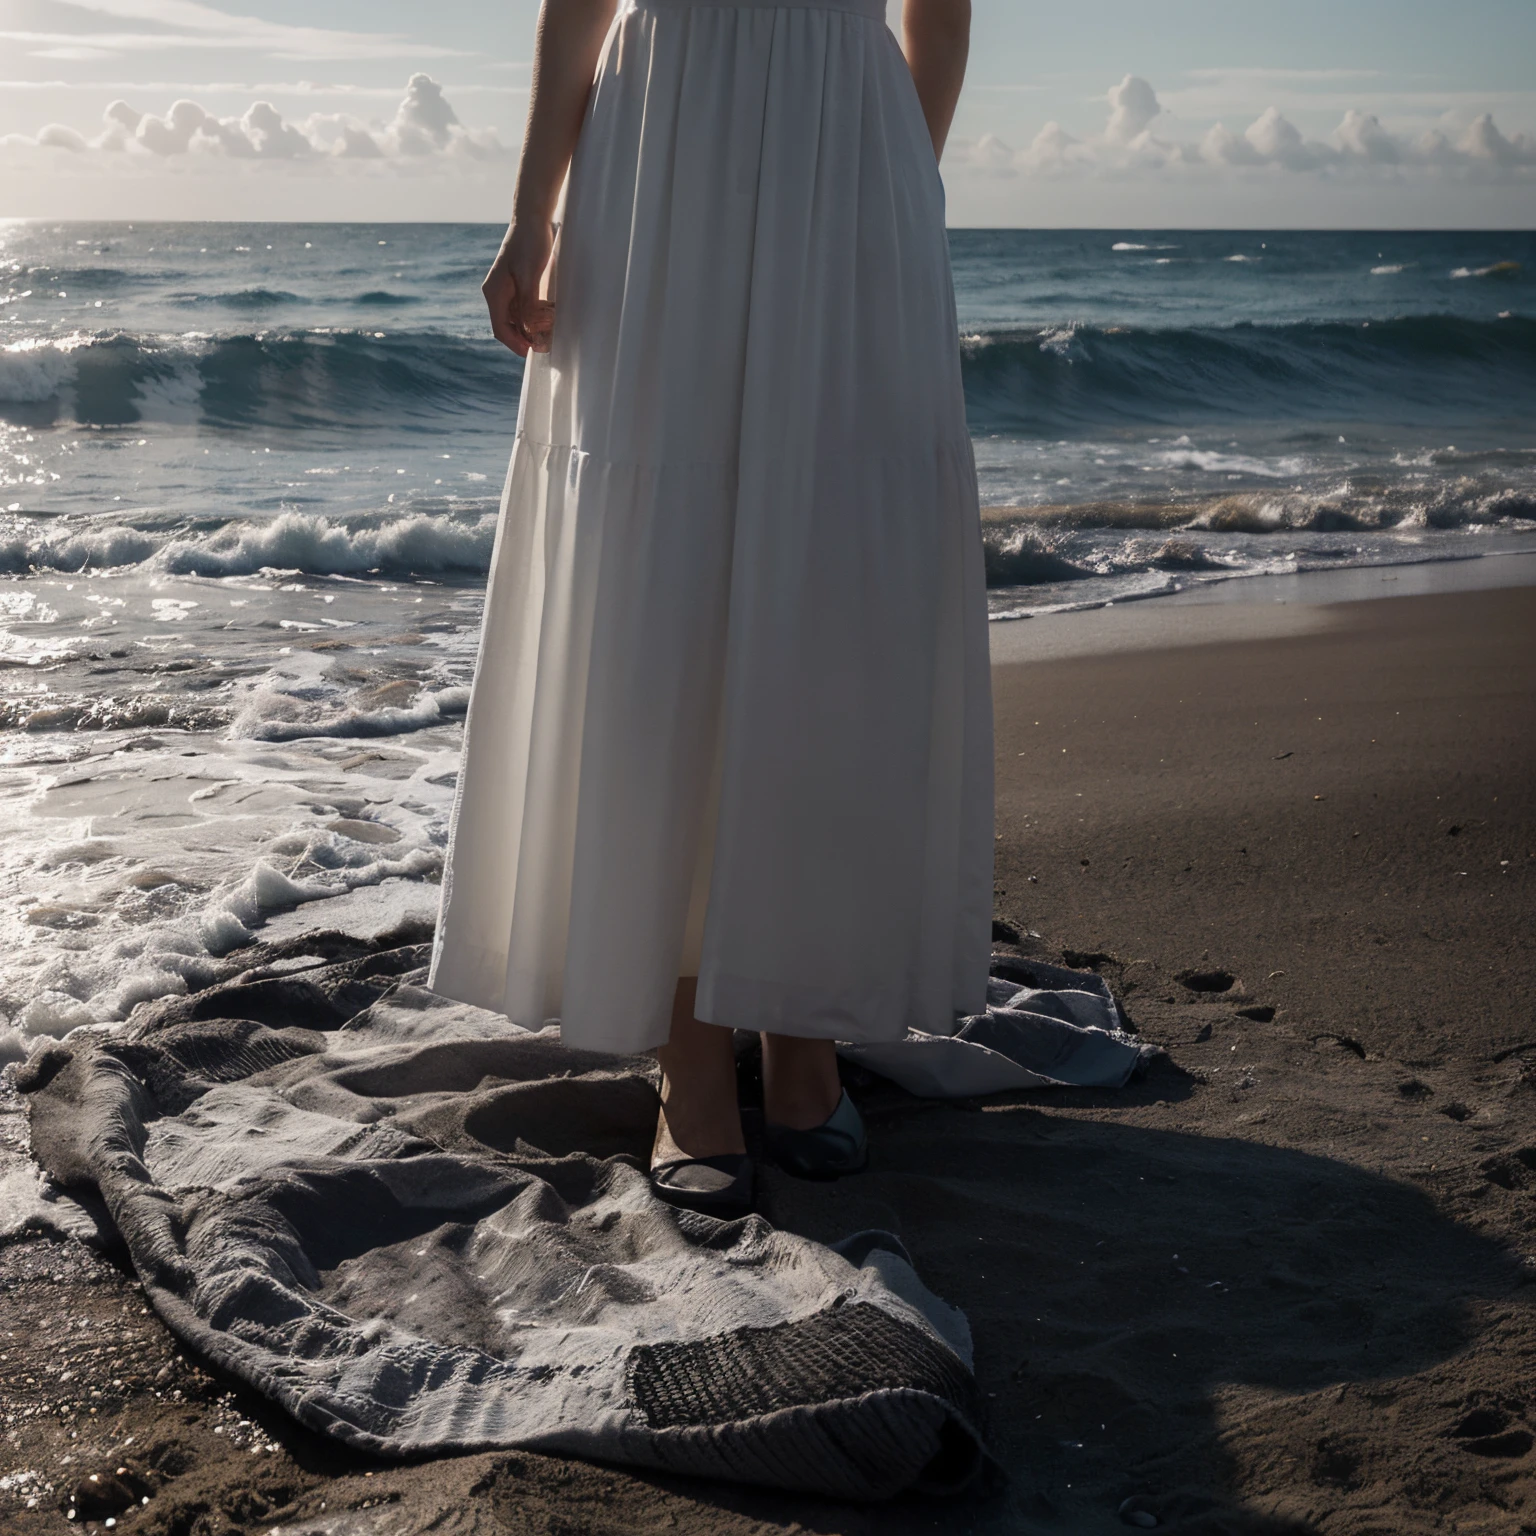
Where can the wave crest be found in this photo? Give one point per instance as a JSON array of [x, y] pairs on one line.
[[414, 544], [1052, 381], [1067, 380], [290, 379]]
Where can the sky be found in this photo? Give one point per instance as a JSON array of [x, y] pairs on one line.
[[1104, 113]]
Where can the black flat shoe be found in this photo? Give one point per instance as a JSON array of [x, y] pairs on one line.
[[712, 1186], [827, 1151]]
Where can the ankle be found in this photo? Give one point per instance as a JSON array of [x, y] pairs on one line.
[[801, 1088], [699, 1112], [681, 1133]]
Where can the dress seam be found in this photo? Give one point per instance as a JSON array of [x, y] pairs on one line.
[[939, 447]]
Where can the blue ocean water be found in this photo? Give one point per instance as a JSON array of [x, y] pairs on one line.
[[248, 484], [169, 392], [1148, 407]]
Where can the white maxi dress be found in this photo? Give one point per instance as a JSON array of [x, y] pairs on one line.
[[732, 714]]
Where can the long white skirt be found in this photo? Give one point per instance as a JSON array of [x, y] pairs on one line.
[[732, 712]]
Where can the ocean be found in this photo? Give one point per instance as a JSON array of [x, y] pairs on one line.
[[249, 477]]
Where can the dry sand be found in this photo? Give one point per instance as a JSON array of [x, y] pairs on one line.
[[1287, 1283]]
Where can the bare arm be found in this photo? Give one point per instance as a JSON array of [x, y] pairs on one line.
[[936, 38], [570, 37]]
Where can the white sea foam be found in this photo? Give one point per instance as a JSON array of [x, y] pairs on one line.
[[1388, 271], [297, 700], [413, 544], [1060, 340], [299, 541], [201, 853], [107, 983], [427, 710], [54, 1012], [36, 369], [88, 547], [1498, 269], [1215, 463]]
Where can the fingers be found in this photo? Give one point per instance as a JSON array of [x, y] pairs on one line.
[[509, 336], [520, 320], [538, 322], [500, 290], [532, 317], [523, 326]]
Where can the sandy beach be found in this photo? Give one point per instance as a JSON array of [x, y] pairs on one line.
[[1284, 1283]]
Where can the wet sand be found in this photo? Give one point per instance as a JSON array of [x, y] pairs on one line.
[[1284, 1284]]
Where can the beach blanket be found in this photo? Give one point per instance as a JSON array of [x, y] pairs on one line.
[[421, 1229], [1045, 1027]]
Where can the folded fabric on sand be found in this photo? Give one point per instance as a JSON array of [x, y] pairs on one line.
[[1045, 1027], [420, 1228]]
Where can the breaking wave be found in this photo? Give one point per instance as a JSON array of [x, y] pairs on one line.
[[1041, 545], [1060, 381], [458, 543], [415, 544], [275, 714], [1037, 383], [285, 379]]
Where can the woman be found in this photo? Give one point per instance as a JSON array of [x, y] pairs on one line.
[[728, 756]]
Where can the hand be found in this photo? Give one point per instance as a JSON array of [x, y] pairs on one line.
[[520, 319]]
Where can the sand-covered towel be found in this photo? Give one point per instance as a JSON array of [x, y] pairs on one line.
[[421, 1228]]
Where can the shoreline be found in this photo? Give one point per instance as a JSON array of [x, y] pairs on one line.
[[1284, 1283], [1245, 607]]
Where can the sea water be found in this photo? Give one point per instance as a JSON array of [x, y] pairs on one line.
[[249, 477]]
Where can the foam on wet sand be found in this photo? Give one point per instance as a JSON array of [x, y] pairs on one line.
[[1284, 1280]]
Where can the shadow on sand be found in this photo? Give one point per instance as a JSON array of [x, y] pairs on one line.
[[1143, 1302]]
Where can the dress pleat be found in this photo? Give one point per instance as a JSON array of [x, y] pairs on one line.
[[732, 712]]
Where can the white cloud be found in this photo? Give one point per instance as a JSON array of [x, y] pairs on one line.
[[1360, 145], [1221, 146], [1364, 137], [1306, 94], [57, 136], [424, 121], [1133, 105], [1483, 141], [1279, 141], [424, 124], [990, 151], [88, 29], [1052, 149], [1053, 146]]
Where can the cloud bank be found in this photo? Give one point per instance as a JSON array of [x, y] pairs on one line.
[[1360, 143], [424, 125]]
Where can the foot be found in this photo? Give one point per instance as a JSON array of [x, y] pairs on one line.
[[699, 1114], [800, 1082], [834, 1148]]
